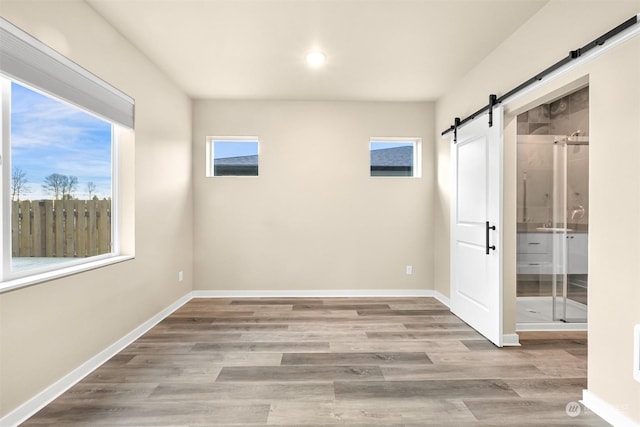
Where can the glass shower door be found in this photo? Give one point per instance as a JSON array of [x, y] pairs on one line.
[[569, 249]]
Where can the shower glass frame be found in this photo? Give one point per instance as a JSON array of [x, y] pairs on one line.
[[561, 239], [553, 220]]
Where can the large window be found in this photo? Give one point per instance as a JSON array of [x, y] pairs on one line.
[[394, 157], [59, 194], [232, 156], [61, 184]]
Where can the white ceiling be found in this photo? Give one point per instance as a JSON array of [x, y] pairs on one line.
[[387, 50]]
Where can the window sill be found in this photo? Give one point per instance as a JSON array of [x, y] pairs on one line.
[[22, 282]]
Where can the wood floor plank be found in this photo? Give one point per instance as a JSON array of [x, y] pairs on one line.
[[348, 326], [219, 314], [208, 359], [255, 308], [86, 393], [227, 327], [314, 362], [301, 373], [157, 348], [417, 312], [301, 318], [423, 305], [293, 336], [423, 335], [254, 392], [259, 346], [275, 301], [530, 411], [149, 414], [429, 346], [432, 326], [480, 345], [335, 307], [426, 389], [513, 356], [338, 359], [150, 374], [189, 336], [547, 387], [444, 371], [315, 314], [369, 413]]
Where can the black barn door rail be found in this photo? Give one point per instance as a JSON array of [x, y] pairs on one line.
[[573, 55]]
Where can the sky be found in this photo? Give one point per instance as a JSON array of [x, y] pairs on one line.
[[224, 149], [50, 136], [382, 145]]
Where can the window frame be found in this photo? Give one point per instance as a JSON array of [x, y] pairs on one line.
[[209, 154], [12, 279], [417, 155], [28, 62]]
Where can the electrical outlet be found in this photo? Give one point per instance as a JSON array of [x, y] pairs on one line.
[[180, 276], [409, 270]]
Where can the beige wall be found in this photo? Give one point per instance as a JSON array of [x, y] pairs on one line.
[[314, 219], [614, 161], [49, 329]]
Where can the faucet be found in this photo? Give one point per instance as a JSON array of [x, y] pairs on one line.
[[577, 211]]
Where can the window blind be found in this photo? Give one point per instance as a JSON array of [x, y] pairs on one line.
[[27, 60]]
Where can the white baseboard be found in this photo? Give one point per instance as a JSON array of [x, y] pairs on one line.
[[335, 293], [510, 340], [606, 411], [46, 396]]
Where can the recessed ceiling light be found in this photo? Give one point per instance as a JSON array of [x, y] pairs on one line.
[[316, 59]]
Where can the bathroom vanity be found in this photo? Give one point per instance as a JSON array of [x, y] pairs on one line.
[[536, 252]]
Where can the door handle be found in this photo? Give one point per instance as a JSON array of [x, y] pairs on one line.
[[487, 247]]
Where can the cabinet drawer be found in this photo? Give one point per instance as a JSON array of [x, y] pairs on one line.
[[533, 243], [533, 259], [534, 266], [531, 269]]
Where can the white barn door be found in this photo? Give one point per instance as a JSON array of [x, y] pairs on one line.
[[476, 226]]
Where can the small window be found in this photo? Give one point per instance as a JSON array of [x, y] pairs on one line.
[[232, 156], [394, 157]]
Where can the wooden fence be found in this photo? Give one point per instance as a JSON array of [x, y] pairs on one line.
[[60, 228]]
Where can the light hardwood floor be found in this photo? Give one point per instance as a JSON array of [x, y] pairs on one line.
[[332, 361]]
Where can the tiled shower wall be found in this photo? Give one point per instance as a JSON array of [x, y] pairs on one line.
[[562, 117]]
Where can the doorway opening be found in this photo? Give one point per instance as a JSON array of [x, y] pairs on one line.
[[553, 214]]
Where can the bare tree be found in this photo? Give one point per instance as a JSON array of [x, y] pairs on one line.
[[70, 183], [91, 189], [18, 183], [55, 183]]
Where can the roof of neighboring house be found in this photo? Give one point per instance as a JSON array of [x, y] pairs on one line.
[[387, 157], [392, 157], [238, 161]]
